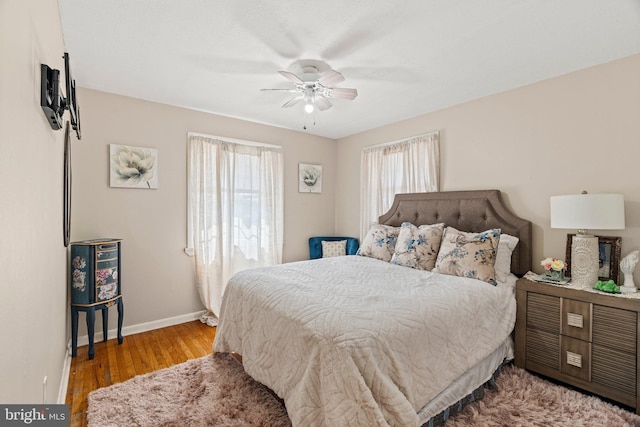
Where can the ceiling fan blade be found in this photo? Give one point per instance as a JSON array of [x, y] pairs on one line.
[[287, 90], [342, 93], [322, 103], [293, 101], [291, 77], [331, 78]]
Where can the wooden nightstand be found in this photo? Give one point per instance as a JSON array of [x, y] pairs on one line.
[[586, 339]]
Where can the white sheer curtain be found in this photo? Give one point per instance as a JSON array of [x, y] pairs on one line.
[[235, 212], [408, 166]]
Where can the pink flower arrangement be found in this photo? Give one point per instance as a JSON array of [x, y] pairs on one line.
[[554, 264]]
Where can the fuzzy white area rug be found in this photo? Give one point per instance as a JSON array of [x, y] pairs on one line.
[[215, 391], [524, 399]]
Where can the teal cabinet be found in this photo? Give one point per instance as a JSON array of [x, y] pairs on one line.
[[95, 271], [95, 284]]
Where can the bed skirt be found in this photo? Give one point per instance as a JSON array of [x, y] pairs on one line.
[[476, 394]]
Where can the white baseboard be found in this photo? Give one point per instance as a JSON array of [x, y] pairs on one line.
[[64, 381], [141, 327], [113, 333]]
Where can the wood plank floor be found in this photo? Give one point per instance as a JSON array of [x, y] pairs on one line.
[[138, 354]]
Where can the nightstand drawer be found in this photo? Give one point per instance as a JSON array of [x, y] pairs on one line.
[[543, 312], [613, 369], [543, 348], [576, 358], [576, 319], [615, 328]]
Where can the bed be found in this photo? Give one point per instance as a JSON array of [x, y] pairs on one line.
[[361, 341]]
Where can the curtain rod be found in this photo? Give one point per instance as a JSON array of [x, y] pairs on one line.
[[233, 140], [401, 140]]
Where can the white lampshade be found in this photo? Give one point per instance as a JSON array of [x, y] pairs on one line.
[[588, 211], [582, 212]]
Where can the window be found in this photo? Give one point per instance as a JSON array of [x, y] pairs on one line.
[[407, 166], [235, 211]]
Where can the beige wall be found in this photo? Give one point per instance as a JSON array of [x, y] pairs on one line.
[[33, 305], [576, 132], [157, 277]]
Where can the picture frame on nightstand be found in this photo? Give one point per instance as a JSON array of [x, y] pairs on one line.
[[609, 252]]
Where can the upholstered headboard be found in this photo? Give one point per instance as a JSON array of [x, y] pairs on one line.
[[471, 211]]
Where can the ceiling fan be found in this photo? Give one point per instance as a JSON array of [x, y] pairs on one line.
[[314, 87]]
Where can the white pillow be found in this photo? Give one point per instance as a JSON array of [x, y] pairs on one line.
[[336, 248], [503, 258]]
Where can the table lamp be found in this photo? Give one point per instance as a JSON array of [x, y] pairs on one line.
[[585, 212]]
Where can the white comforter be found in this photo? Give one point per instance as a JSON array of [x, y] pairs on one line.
[[353, 341]]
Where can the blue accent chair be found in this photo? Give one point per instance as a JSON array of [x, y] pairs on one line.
[[315, 245]]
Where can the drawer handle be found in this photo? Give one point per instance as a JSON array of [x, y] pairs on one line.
[[574, 359], [574, 320], [107, 247]]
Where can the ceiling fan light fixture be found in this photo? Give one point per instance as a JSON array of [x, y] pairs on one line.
[[314, 83], [308, 107], [309, 98]]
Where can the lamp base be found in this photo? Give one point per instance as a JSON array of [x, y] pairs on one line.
[[628, 289], [584, 260]]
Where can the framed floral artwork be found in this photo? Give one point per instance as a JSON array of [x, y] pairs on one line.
[[309, 178], [133, 167]]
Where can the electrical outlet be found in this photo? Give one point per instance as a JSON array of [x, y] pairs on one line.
[[44, 390]]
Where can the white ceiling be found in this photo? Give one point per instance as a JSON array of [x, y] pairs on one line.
[[405, 57]]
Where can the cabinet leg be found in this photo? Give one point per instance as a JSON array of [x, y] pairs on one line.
[[105, 323], [74, 332], [91, 319], [120, 318]]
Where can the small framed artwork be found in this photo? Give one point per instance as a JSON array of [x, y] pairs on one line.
[[608, 254], [309, 178], [133, 167]]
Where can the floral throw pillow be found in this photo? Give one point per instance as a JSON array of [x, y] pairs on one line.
[[331, 249], [469, 254], [417, 247], [380, 242]]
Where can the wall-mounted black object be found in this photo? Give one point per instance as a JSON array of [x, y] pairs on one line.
[[51, 100], [66, 188], [72, 101]]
